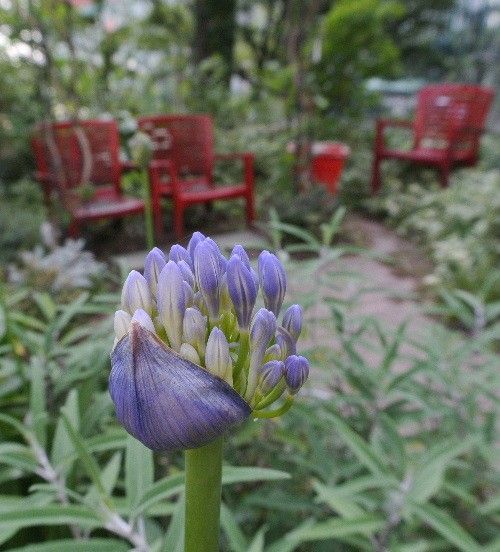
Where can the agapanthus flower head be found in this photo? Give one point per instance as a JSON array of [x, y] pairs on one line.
[[191, 358]]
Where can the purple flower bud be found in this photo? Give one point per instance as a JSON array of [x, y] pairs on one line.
[[286, 342], [196, 238], [208, 276], [143, 318], [121, 323], [187, 273], [188, 294], [272, 280], [153, 265], [292, 321], [171, 303], [188, 352], [262, 330], [296, 372], [217, 358], [179, 253], [240, 252], [274, 353], [220, 256], [194, 329], [269, 375], [165, 401], [255, 277], [242, 290], [136, 294]]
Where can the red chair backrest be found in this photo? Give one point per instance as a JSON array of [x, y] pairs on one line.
[[86, 150], [442, 108], [186, 139]]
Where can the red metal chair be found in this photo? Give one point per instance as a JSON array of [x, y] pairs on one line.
[[449, 121], [183, 165], [69, 154]]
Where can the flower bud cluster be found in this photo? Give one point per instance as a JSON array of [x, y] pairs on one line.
[[204, 307]]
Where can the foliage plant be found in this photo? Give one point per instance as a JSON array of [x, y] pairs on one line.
[[391, 445]]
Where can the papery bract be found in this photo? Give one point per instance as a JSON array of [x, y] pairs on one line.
[[165, 401]]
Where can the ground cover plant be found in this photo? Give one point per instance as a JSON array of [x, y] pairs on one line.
[[373, 458]]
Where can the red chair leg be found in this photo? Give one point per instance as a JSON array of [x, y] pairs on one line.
[[376, 180], [178, 219], [249, 208]]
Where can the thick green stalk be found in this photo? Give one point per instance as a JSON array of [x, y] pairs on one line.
[[203, 495]]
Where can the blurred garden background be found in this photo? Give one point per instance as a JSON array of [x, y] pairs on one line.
[[393, 443]]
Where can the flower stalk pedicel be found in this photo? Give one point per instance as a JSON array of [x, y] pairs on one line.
[[191, 361]]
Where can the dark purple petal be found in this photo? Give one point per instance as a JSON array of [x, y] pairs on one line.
[[296, 372], [272, 279], [241, 289], [165, 401]]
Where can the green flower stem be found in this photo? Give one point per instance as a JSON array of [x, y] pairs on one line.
[[148, 212], [277, 412], [203, 496]]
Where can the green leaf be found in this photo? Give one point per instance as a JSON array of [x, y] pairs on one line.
[[18, 456], [396, 444], [428, 477], [237, 474], [160, 490], [337, 527], [446, 526], [492, 506], [236, 538], [174, 539], [337, 502], [109, 477], [62, 446], [358, 446], [85, 457], [138, 470], [257, 544], [71, 545], [50, 515], [37, 400]]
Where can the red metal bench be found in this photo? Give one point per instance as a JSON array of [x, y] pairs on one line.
[[449, 121], [183, 165], [71, 154]]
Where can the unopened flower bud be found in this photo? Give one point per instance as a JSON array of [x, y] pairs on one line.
[[188, 294], [196, 238], [286, 342], [121, 323], [153, 265], [292, 321], [171, 303], [187, 273], [194, 329], [296, 372], [188, 352], [136, 294], [179, 253], [217, 357], [272, 280], [240, 252], [143, 318], [241, 289], [273, 353], [208, 276], [269, 375]]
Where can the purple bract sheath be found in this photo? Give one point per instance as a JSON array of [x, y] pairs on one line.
[[161, 415], [191, 359]]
